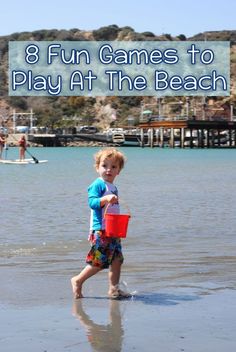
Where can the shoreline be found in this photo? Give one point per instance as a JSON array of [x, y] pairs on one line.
[[173, 321]]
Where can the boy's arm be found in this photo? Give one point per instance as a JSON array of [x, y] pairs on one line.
[[96, 198], [95, 192]]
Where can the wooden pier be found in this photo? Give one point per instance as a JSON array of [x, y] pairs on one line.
[[189, 133]]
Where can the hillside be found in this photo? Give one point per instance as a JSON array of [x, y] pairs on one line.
[[99, 111]]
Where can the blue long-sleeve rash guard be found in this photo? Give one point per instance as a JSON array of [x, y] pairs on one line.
[[96, 191]]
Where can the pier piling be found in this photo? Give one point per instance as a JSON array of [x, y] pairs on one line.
[[190, 133]]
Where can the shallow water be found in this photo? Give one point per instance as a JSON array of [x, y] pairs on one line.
[[181, 234]]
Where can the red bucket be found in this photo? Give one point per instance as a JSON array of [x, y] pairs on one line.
[[116, 225]]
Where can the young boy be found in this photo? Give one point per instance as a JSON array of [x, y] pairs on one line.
[[105, 252]]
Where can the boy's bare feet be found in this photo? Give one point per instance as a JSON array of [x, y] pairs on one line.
[[76, 288], [118, 294]]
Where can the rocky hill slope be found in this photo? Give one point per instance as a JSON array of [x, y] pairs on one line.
[[99, 111]]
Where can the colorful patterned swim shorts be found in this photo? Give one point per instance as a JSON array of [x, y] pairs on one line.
[[103, 250]]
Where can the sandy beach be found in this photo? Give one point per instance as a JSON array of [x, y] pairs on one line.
[[173, 320]]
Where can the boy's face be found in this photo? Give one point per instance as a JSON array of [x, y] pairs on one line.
[[108, 169]]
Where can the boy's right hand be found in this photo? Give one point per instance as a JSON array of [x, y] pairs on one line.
[[110, 198]]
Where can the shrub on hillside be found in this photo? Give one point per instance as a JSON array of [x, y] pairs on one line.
[[106, 33]]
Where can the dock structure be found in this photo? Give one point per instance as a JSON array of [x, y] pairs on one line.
[[63, 140], [188, 133], [166, 133]]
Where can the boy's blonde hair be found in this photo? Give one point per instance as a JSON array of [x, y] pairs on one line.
[[109, 153]]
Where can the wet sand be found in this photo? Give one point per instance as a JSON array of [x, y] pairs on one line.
[[173, 320]]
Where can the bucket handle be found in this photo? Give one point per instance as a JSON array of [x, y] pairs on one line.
[[120, 201]]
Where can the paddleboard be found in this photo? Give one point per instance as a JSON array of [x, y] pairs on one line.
[[23, 162]]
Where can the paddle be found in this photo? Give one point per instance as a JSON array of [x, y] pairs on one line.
[[33, 157]]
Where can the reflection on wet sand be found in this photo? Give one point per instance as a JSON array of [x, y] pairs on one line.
[[102, 337]]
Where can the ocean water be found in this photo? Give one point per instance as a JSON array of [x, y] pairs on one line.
[[181, 234]]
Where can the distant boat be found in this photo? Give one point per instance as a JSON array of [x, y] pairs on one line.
[[116, 136]]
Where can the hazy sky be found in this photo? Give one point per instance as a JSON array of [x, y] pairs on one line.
[[174, 17]]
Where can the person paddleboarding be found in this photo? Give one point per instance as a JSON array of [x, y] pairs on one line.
[[22, 146]]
